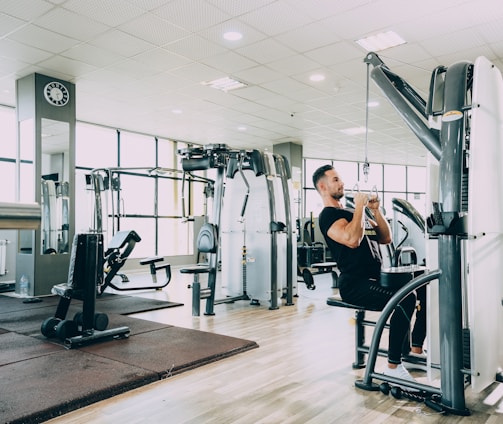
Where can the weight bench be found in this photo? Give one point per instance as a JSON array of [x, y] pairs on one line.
[[119, 248], [360, 347]]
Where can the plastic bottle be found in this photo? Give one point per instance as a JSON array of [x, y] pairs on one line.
[[24, 286]]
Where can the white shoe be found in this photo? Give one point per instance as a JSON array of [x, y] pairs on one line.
[[415, 361], [401, 373], [421, 355]]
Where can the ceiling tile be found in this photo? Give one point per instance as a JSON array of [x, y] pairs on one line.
[[229, 62], [43, 39], [154, 29], [121, 43], [70, 24], [192, 15], [108, 12], [26, 10], [275, 18], [194, 47]]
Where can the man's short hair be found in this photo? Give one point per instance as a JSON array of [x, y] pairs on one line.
[[320, 173]]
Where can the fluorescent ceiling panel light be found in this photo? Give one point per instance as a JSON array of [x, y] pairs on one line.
[[233, 36], [317, 77], [381, 41], [225, 84], [355, 131]]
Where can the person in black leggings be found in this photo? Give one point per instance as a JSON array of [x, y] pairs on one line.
[[354, 241]]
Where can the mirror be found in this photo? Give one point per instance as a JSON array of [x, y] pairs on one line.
[[55, 176]]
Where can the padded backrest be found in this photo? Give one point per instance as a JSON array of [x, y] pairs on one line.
[[120, 239], [207, 239], [86, 268]]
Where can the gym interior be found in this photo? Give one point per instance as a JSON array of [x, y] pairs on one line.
[[160, 253]]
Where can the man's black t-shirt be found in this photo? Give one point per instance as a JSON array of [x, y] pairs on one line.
[[362, 262]]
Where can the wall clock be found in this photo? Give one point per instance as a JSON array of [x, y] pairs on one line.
[[56, 93]]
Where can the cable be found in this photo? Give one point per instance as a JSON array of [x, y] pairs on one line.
[[366, 164]]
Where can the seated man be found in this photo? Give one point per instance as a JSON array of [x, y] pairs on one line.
[[354, 242]]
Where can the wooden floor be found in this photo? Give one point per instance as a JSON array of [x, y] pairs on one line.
[[301, 373]]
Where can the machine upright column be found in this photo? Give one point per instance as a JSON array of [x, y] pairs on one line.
[[213, 259], [451, 323]]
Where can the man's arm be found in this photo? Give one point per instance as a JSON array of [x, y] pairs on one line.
[[350, 233], [381, 225]]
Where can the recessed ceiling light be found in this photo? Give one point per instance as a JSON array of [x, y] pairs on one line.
[[355, 131], [176, 111], [373, 103], [381, 41], [317, 77], [233, 36], [225, 84]]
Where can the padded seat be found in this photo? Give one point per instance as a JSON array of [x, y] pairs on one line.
[[151, 260], [66, 290], [337, 301], [196, 269]]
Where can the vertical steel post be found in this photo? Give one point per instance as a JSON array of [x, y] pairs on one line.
[[449, 250], [213, 259]]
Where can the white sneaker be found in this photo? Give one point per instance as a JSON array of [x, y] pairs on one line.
[[415, 361], [421, 355], [401, 373]]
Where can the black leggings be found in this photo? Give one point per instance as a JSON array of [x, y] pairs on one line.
[[370, 294]]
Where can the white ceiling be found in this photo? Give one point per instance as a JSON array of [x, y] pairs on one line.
[[135, 61]]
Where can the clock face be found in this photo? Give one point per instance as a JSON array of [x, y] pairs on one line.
[[56, 94]]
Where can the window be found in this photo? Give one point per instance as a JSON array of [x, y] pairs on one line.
[[95, 146], [416, 179], [8, 137], [390, 181], [311, 165], [169, 197], [137, 195], [27, 182], [150, 203], [175, 237], [7, 172], [167, 156], [137, 150], [395, 177], [348, 172]]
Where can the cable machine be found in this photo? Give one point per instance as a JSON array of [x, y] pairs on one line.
[[463, 136], [254, 242], [108, 209]]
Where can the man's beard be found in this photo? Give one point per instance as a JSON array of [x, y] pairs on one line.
[[338, 196]]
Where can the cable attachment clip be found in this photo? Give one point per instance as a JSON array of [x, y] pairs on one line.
[[366, 169]]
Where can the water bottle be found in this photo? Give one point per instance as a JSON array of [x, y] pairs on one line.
[[24, 286]]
